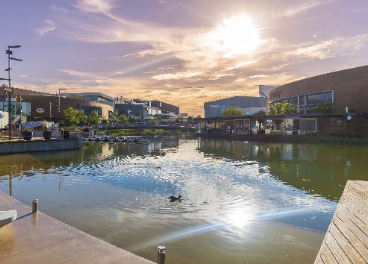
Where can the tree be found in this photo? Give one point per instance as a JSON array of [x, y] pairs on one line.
[[261, 112], [132, 119], [105, 120], [179, 119], [155, 120], [190, 119], [199, 116], [280, 109], [271, 110], [82, 118], [94, 119], [324, 107], [123, 118], [287, 109], [232, 111], [71, 118], [114, 117]]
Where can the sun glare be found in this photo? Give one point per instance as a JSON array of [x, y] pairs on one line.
[[235, 36]]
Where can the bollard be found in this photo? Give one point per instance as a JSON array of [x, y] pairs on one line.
[[161, 255], [34, 206]]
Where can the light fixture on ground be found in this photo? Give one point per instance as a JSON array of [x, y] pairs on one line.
[[10, 53]]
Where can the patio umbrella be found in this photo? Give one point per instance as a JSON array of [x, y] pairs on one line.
[[32, 124]]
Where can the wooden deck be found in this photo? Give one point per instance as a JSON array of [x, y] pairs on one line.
[[346, 240]]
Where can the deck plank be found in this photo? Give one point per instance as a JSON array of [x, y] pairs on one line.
[[352, 226], [354, 212], [336, 250], [354, 202], [355, 220], [346, 240], [362, 184], [359, 189], [346, 245], [326, 255], [352, 238], [356, 197], [358, 193], [319, 260]]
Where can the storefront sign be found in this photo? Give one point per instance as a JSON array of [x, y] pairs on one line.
[[214, 105], [276, 95], [40, 110], [4, 98]]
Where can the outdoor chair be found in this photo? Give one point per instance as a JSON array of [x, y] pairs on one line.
[[12, 127]]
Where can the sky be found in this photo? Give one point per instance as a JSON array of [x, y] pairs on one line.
[[183, 52]]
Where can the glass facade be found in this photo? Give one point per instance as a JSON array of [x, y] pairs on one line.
[[307, 103], [89, 109], [96, 98], [293, 101], [17, 108], [315, 99]]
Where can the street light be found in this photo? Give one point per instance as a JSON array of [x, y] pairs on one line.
[[10, 52], [51, 105], [59, 103]]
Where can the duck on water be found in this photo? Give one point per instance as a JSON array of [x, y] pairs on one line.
[[175, 198]]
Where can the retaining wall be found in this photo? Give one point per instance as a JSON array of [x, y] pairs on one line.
[[23, 146]]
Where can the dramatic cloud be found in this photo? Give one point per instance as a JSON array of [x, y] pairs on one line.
[[178, 75], [50, 26], [186, 53], [95, 6], [304, 6]]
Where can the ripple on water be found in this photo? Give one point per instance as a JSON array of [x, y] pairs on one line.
[[175, 208]]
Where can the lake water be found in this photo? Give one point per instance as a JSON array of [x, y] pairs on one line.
[[242, 202]]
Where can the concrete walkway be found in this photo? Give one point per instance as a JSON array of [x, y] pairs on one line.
[[38, 238]]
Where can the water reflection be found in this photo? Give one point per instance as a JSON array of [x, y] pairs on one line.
[[235, 195], [321, 170], [19, 166]]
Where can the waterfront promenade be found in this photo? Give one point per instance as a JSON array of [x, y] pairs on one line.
[[39, 144], [39, 238]]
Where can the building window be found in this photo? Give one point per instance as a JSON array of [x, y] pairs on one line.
[[314, 99], [293, 101]]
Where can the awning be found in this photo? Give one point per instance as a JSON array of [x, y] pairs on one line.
[[32, 124]]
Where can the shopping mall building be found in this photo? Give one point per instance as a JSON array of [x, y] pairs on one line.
[[347, 89], [38, 106]]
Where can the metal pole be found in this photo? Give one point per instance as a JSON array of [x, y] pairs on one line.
[[161, 255], [50, 111], [59, 103], [34, 206], [21, 111], [9, 102], [59, 107]]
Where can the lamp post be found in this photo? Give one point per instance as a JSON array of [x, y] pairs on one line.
[[50, 110], [10, 52], [51, 105], [59, 103], [21, 111]]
